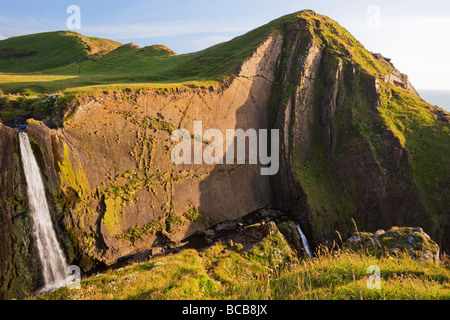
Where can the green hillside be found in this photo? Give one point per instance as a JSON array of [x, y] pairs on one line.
[[41, 51], [126, 64]]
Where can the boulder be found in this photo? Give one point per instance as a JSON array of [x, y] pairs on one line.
[[290, 233], [397, 239]]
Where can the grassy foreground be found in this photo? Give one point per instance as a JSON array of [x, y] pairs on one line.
[[270, 270]]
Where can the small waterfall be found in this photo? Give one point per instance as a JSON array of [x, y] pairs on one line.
[[304, 240], [54, 265]]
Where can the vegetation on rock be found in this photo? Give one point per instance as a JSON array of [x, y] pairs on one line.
[[412, 241]]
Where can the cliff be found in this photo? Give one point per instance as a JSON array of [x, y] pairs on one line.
[[356, 141]]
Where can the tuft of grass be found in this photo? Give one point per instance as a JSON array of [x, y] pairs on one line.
[[194, 214]]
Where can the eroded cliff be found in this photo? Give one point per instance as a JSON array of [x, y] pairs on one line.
[[352, 132], [110, 170]]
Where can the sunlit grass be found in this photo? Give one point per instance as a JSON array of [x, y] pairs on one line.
[[222, 272], [15, 78], [83, 85], [92, 90]]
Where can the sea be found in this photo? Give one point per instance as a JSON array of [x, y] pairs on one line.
[[438, 98]]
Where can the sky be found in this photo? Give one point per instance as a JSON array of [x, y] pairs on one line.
[[414, 34]]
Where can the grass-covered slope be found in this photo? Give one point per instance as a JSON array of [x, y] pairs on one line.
[[41, 51], [126, 65], [428, 141], [270, 270]]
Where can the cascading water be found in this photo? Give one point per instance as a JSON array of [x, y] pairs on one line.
[[54, 265], [304, 240]]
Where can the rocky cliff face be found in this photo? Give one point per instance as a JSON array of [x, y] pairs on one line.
[[19, 266], [110, 171], [340, 156], [351, 146]]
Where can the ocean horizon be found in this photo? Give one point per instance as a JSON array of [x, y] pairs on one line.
[[440, 98]]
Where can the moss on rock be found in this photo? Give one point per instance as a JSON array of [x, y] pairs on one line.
[[397, 239]]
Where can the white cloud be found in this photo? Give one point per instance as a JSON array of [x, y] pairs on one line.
[[2, 37]]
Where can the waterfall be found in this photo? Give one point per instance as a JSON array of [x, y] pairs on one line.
[[54, 265], [304, 240]]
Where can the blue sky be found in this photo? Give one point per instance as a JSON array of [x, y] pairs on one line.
[[414, 34]]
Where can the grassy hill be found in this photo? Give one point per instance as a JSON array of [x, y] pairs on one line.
[[65, 61], [42, 51], [139, 67]]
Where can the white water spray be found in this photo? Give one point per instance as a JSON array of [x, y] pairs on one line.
[[304, 240], [54, 265]]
